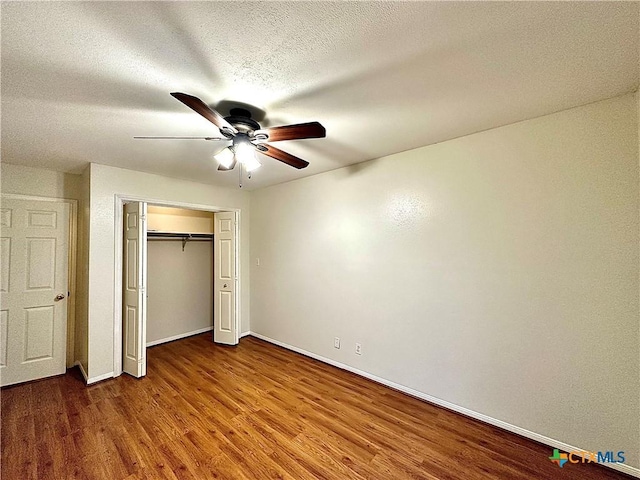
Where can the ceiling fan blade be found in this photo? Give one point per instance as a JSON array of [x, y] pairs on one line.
[[231, 167], [295, 132], [284, 157], [203, 109], [184, 138]]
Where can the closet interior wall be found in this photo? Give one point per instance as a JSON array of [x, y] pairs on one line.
[[180, 281]]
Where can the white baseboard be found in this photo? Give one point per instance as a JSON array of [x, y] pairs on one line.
[[178, 337], [244, 334], [91, 380], [629, 470], [99, 378]]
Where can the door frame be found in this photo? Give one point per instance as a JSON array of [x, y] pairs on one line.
[[71, 275], [120, 200]]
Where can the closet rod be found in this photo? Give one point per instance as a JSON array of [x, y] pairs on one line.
[[185, 237], [191, 236]]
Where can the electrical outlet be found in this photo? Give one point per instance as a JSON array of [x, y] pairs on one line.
[[336, 342], [358, 349]]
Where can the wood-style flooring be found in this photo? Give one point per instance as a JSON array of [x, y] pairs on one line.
[[252, 411]]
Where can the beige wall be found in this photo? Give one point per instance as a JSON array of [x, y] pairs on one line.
[[106, 182], [497, 272]]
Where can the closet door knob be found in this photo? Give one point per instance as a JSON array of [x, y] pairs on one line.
[[225, 286], [59, 297]]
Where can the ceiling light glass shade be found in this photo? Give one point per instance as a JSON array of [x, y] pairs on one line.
[[244, 151], [224, 157], [251, 164], [246, 154]]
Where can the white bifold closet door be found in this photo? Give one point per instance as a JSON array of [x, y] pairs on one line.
[[225, 279], [135, 286]]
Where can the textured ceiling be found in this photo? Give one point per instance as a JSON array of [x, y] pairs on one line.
[[80, 79]]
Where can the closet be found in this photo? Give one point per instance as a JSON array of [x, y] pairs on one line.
[[179, 273]]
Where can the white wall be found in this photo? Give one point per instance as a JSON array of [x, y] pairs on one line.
[[497, 271], [180, 288], [106, 182]]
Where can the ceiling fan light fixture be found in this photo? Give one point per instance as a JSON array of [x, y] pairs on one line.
[[247, 136], [224, 157]]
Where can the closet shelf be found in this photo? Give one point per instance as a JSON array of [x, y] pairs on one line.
[[185, 237]]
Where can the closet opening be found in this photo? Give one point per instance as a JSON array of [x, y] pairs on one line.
[[179, 277], [179, 273]]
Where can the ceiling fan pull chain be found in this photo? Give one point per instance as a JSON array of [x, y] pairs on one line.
[[240, 174]]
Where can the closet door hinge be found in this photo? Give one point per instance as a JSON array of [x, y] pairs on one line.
[[143, 218]]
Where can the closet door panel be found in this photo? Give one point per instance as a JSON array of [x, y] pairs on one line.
[[134, 360], [225, 324]]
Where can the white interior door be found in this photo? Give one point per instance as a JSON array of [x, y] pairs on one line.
[[134, 283], [34, 287], [225, 279]]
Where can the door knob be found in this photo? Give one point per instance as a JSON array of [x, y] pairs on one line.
[[225, 286], [59, 297]]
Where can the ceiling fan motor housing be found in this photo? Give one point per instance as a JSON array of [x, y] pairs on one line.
[[241, 119]]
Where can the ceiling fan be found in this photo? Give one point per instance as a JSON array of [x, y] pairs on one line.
[[247, 136]]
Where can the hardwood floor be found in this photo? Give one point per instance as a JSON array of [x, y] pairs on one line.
[[253, 411]]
